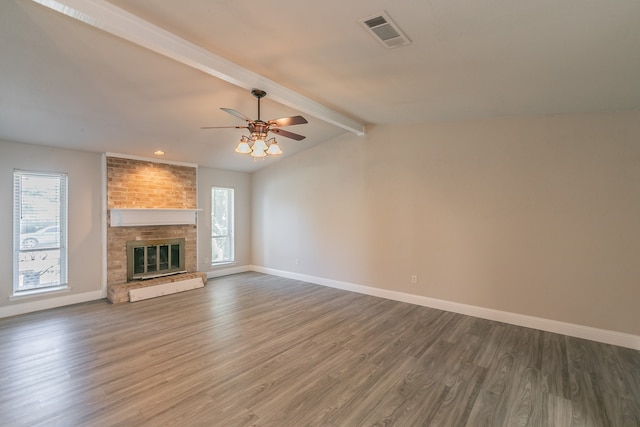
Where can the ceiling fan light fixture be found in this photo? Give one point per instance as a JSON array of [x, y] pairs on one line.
[[259, 145], [274, 148], [243, 147], [258, 153]]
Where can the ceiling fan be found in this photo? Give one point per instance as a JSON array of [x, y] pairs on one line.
[[257, 144]]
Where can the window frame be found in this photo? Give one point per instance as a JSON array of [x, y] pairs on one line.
[[62, 224], [230, 226]]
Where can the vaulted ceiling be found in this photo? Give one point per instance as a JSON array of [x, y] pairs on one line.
[[67, 82]]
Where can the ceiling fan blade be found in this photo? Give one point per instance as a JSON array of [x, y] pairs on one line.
[[238, 115], [287, 134], [224, 127], [288, 121]]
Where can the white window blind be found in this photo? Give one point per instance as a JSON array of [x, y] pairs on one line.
[[222, 225], [40, 231]]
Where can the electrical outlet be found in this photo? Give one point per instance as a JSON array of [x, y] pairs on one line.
[[297, 261], [414, 279]]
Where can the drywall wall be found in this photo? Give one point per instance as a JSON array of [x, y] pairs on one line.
[[85, 243], [241, 183], [536, 216]]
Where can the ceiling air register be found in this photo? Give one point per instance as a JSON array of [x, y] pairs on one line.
[[383, 29]]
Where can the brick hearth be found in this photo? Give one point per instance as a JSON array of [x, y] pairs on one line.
[[120, 292]]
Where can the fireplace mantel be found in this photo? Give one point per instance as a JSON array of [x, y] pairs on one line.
[[135, 217]]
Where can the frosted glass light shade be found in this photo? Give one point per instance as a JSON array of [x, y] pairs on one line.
[[258, 153], [243, 148], [259, 145], [274, 148]]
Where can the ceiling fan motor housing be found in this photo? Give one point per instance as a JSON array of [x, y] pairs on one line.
[[259, 129]]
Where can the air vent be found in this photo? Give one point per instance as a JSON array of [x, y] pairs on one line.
[[383, 29]]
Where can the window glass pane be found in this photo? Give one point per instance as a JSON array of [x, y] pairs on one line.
[[222, 221], [39, 230]]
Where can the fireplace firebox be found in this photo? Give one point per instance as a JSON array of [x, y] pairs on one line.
[[147, 259]]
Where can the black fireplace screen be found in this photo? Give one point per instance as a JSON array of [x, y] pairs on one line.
[[147, 259]]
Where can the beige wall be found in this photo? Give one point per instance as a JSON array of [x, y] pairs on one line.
[[536, 216], [85, 213], [241, 183]]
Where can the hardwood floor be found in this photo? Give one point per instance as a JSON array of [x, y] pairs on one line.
[[258, 350]]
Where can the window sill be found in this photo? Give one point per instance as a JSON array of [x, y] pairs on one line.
[[32, 293], [223, 264]]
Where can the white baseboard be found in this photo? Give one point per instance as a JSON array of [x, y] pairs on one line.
[[570, 329], [227, 271], [43, 304]]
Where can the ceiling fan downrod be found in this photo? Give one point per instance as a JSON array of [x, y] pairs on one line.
[[258, 94]]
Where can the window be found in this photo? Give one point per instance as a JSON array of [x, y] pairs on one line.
[[222, 225], [39, 232]]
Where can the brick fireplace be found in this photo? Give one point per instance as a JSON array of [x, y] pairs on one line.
[[140, 184]]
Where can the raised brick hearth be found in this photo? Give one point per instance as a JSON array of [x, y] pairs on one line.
[[120, 292]]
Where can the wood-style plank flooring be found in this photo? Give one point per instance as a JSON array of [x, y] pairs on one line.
[[258, 350]]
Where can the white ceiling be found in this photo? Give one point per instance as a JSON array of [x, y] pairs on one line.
[[69, 84]]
